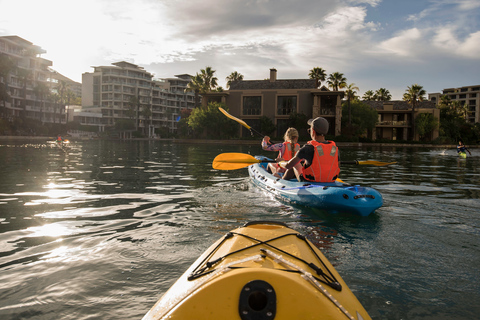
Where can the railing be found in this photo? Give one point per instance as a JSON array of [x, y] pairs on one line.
[[327, 111], [393, 123]]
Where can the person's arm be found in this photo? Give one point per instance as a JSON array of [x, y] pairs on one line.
[[292, 162], [270, 147]]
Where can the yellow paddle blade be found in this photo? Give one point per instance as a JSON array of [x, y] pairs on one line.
[[376, 163], [234, 118], [233, 161]]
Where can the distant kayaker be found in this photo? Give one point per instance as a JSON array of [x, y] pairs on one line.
[[321, 156], [286, 150], [461, 148], [59, 138]]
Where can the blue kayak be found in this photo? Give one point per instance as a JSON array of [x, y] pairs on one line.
[[333, 197]]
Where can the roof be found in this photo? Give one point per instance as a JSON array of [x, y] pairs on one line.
[[400, 104], [277, 84]]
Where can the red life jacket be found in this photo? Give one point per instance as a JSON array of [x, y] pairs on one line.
[[325, 166], [289, 153]]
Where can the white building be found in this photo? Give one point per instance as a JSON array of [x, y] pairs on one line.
[[29, 83], [126, 91]]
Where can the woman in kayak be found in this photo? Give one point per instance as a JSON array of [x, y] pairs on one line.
[[286, 150], [321, 160], [461, 148]]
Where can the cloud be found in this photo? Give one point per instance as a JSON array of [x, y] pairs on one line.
[[404, 44]]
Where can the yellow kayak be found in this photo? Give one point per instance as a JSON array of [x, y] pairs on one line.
[[263, 270]]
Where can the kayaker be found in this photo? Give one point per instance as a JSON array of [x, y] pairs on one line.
[[461, 148], [59, 138], [286, 150], [321, 160]]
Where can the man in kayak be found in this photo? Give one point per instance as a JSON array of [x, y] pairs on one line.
[[461, 148], [321, 161], [286, 150]]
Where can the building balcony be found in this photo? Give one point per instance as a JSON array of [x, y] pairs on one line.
[[393, 124]]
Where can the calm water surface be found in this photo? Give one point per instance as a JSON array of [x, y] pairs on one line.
[[103, 230]]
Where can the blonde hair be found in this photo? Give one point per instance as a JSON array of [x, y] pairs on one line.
[[290, 134]]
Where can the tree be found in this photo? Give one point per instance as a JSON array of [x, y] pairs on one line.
[[211, 123], [383, 94], [425, 124], [196, 86], [146, 112], [131, 107], [368, 96], [266, 125], [6, 67], [364, 118], [318, 74], [414, 94], [209, 80], [24, 76], [336, 81], [350, 93], [42, 91], [233, 77], [453, 122]]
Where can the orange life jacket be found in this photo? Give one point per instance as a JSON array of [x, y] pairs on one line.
[[325, 166], [289, 153]]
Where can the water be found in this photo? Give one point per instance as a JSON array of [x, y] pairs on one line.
[[101, 231]]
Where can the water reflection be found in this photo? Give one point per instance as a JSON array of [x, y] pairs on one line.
[[111, 225]]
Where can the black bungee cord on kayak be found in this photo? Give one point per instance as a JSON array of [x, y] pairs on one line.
[[328, 278]]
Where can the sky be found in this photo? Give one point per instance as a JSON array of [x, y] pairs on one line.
[[376, 44]]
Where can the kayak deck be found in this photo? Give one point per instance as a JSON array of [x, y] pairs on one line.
[[333, 197], [263, 270]]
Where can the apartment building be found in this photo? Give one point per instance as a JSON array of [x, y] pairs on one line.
[[469, 95], [124, 90], [276, 99], [28, 83]]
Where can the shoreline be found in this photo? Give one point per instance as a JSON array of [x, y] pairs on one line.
[[246, 142]]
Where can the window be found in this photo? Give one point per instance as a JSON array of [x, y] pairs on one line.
[[286, 105], [252, 106]]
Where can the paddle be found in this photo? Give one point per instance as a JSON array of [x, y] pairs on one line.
[[233, 161], [241, 122]]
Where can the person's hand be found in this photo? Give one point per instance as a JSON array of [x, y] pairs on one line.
[[267, 139], [278, 159]]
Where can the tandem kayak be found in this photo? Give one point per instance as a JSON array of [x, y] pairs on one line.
[[263, 270], [333, 197]]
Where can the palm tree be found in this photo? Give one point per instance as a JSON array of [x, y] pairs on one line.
[[41, 91], [234, 76], [6, 67], [368, 96], [383, 94], [62, 89], [413, 95], [350, 93], [336, 80], [24, 75], [195, 85], [318, 74], [460, 109], [209, 80]]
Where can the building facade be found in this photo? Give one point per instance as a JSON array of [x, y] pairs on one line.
[[29, 83], [395, 119], [127, 91], [469, 96], [276, 99]]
